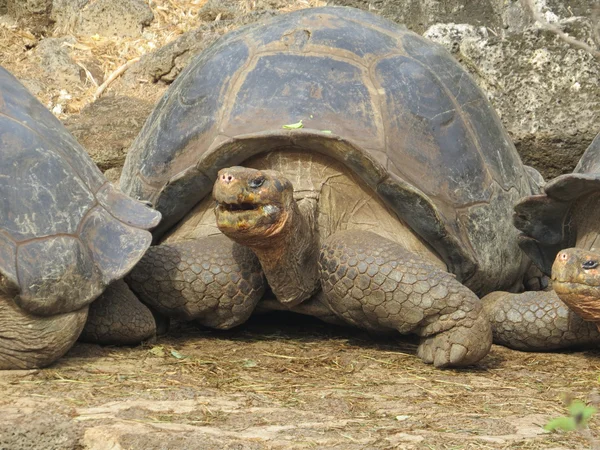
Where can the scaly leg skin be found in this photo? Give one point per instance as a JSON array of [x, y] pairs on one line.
[[28, 341], [117, 317], [374, 283], [537, 321], [212, 280]]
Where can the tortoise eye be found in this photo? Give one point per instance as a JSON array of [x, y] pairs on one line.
[[256, 182], [590, 264]]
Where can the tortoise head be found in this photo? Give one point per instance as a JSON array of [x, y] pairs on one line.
[[576, 280], [252, 205]]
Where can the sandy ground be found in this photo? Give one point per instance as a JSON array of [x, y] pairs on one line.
[[283, 381]]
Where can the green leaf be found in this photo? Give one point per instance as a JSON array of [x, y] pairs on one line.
[[294, 126], [561, 423], [326, 131], [579, 416], [250, 363], [157, 350], [581, 412], [177, 355]]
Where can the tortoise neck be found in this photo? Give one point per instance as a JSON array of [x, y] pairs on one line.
[[289, 262]]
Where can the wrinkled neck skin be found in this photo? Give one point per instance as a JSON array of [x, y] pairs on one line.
[[289, 258]]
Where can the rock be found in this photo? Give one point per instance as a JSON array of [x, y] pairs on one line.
[[25, 428], [234, 9], [107, 127], [451, 35], [122, 18], [27, 8], [57, 64], [217, 9], [418, 15], [113, 175]]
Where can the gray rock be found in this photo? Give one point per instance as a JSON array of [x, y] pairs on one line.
[[107, 127], [25, 428], [57, 64], [26, 8], [123, 18], [418, 15], [451, 35]]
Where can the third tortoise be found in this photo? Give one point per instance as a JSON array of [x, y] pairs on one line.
[[560, 231], [389, 210]]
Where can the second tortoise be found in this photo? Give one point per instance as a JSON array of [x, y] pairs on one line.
[[389, 210]]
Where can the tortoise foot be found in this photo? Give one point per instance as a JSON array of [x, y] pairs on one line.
[[117, 317], [212, 281], [374, 283], [28, 341], [537, 321], [458, 346]]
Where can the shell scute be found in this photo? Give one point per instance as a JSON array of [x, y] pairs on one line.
[[41, 193], [325, 93], [56, 273], [437, 149], [114, 246]]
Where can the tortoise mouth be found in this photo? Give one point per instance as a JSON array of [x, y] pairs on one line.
[[565, 285], [244, 206], [245, 215], [582, 298]]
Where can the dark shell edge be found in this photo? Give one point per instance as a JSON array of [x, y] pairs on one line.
[[187, 188], [544, 219]]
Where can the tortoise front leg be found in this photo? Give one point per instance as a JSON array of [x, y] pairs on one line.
[[212, 280], [374, 283], [537, 321], [28, 341], [117, 317]]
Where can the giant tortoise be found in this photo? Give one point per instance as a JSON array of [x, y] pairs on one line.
[[377, 186], [560, 231], [65, 234]]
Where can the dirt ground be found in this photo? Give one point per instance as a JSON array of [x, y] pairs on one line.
[[282, 382], [279, 381]]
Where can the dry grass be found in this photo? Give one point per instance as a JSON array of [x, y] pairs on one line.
[[277, 370], [172, 18]]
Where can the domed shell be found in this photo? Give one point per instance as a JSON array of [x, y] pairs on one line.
[[65, 232], [544, 219], [393, 107]]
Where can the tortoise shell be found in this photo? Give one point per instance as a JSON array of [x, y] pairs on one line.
[[65, 232], [393, 107], [545, 219]]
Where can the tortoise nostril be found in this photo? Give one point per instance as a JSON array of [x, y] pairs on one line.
[[563, 257]]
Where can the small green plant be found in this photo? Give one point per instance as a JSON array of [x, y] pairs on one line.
[[578, 418]]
